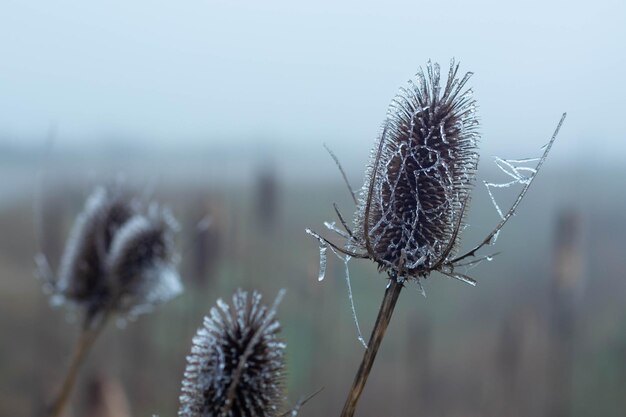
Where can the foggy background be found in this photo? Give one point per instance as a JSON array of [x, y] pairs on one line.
[[220, 108]]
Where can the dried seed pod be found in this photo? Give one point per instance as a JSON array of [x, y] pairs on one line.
[[142, 260], [83, 266], [237, 363], [416, 191], [411, 209], [118, 258], [420, 175]]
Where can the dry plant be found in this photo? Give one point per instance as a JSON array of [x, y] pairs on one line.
[[237, 363], [119, 260], [411, 209]]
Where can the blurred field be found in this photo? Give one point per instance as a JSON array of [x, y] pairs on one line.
[[543, 333]]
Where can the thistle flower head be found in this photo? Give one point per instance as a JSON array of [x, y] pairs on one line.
[[118, 257], [420, 174], [237, 363]]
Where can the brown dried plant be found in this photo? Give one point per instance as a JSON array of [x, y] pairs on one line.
[[412, 207], [237, 363], [120, 259]]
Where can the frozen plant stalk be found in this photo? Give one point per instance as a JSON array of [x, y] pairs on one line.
[[411, 208]]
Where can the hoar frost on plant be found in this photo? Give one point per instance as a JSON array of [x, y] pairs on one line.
[[237, 363], [419, 178], [411, 209], [120, 257]]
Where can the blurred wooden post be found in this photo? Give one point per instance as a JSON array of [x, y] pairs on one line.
[[508, 362], [419, 362], [106, 398], [267, 194], [205, 250], [566, 291]]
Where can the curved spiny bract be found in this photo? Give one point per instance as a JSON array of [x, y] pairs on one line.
[[237, 363], [420, 175]]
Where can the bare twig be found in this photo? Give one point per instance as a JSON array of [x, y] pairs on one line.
[[343, 174], [299, 404], [518, 200]]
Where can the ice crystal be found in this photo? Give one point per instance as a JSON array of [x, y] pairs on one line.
[[237, 363]]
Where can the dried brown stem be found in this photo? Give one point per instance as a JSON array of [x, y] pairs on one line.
[[88, 336], [382, 321]]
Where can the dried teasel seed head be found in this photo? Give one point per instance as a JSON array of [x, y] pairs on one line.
[[420, 175], [237, 363], [142, 260], [83, 265], [118, 257]]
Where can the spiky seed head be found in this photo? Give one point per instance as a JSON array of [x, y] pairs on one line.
[[420, 175], [83, 265], [118, 256], [237, 363], [142, 260]]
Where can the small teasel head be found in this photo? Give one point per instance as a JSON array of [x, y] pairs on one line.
[[119, 257], [237, 363], [418, 182], [83, 265], [142, 261]]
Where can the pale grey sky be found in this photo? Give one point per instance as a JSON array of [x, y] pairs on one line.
[[303, 73]]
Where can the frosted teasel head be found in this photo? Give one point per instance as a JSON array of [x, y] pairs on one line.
[[411, 209], [118, 258], [237, 363], [142, 261], [420, 175], [80, 278]]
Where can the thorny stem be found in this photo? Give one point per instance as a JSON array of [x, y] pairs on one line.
[[382, 321], [88, 336]]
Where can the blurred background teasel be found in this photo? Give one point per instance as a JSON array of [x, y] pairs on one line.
[[219, 110]]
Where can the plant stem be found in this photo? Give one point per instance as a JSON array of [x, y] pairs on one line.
[[85, 341], [382, 321]]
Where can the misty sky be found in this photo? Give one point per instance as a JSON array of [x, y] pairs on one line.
[[303, 73]]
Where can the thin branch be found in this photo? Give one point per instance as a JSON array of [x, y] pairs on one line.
[[370, 191], [519, 198], [455, 234], [43, 266], [475, 261], [460, 277], [343, 174], [299, 404], [343, 222], [337, 248]]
